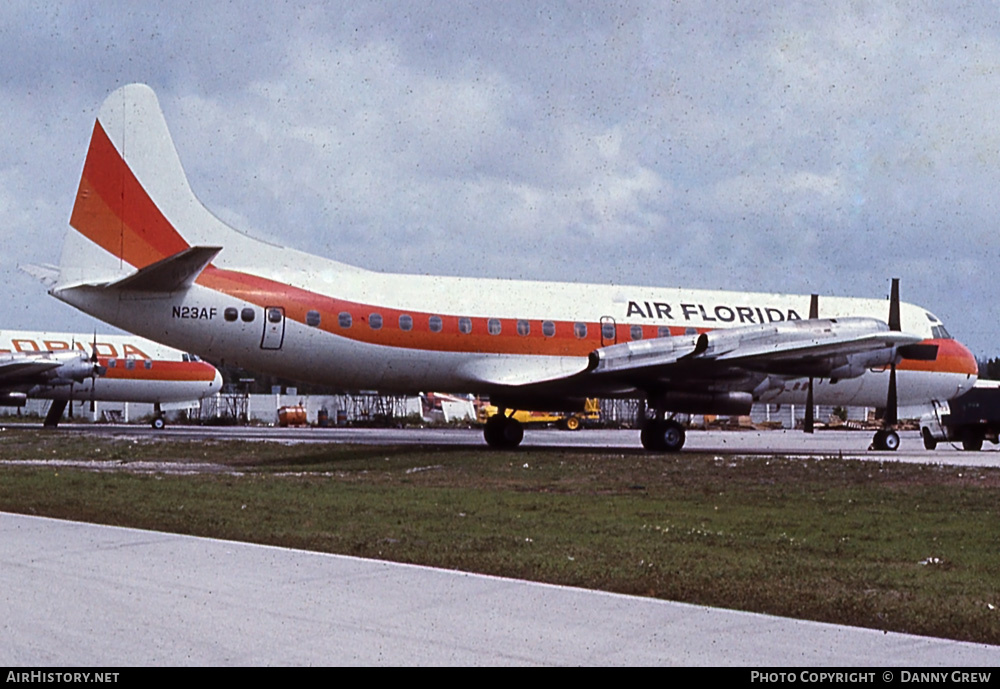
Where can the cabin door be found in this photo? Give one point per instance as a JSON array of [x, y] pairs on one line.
[[274, 327]]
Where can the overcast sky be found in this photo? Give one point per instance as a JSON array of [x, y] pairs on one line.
[[807, 147]]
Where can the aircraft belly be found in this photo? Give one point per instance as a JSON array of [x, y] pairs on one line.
[[125, 390], [871, 389]]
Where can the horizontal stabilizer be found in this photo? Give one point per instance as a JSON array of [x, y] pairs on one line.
[[171, 274], [46, 273]]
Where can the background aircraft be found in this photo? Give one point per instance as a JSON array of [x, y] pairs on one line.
[[144, 254], [67, 367]]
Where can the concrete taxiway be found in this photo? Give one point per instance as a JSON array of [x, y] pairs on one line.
[[74, 594]]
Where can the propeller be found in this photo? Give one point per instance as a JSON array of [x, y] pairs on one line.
[[95, 371], [809, 422], [892, 400]]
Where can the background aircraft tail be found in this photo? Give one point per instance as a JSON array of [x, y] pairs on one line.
[[134, 206]]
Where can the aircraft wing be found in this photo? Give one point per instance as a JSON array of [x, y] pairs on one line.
[[836, 348], [52, 368], [21, 368]]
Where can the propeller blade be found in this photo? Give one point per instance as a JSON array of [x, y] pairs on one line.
[[894, 324], [94, 372], [810, 419], [891, 409]]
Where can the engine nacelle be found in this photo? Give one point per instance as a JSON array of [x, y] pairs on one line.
[[13, 399], [76, 368]]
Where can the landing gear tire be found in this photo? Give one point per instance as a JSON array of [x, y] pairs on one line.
[[159, 423], [503, 433], [572, 423], [662, 436], [972, 441], [886, 441], [930, 442]]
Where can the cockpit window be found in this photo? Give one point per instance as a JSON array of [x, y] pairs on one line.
[[940, 333]]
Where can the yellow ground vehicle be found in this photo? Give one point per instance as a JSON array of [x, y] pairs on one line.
[[570, 421]]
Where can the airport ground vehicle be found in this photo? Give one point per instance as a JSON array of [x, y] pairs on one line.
[[570, 421], [969, 419]]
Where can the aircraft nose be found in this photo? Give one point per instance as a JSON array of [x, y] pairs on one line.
[[216, 384], [957, 358]]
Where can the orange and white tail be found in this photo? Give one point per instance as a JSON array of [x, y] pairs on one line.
[[134, 206]]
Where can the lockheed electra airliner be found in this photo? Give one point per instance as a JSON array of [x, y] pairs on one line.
[[144, 254], [64, 367]]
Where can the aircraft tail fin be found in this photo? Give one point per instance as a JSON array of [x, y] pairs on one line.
[[134, 206]]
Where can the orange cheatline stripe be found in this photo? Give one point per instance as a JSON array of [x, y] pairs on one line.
[[166, 371]]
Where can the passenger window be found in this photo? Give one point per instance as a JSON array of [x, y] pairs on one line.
[[690, 331], [580, 330], [608, 331], [636, 332], [274, 315], [231, 314], [344, 319], [312, 318], [465, 325], [435, 324], [375, 321], [548, 328], [523, 327], [493, 326], [130, 364], [248, 314], [663, 331], [112, 363], [406, 322], [148, 363]]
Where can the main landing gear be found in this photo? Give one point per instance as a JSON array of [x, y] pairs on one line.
[[503, 432], [159, 421], [886, 440], [662, 435], [659, 434]]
